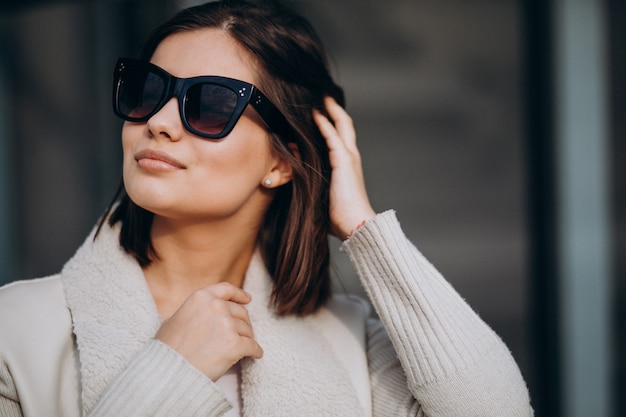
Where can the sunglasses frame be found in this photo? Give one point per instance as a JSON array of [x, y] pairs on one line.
[[246, 93]]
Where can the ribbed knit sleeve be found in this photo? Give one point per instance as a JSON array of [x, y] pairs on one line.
[[9, 402], [160, 382], [453, 363]]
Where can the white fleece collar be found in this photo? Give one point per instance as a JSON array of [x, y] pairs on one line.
[[113, 312], [299, 375], [114, 316]]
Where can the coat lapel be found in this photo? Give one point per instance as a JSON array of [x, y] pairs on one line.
[[113, 312], [299, 375]]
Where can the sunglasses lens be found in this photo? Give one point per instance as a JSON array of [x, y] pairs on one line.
[[209, 107], [139, 93]]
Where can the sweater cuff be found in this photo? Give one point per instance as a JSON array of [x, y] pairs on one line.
[[160, 382]]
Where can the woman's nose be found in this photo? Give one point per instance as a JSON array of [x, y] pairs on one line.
[[166, 123]]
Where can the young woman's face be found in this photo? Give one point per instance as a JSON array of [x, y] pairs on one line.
[[174, 173]]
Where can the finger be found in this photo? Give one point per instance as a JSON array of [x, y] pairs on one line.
[[241, 341], [342, 120], [239, 327], [328, 131], [238, 311], [340, 152], [229, 292], [243, 347], [252, 348]]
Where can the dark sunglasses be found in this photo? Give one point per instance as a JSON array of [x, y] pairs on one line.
[[210, 106]]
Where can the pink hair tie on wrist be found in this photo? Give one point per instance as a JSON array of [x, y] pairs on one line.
[[358, 226]]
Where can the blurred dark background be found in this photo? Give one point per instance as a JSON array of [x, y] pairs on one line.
[[494, 128]]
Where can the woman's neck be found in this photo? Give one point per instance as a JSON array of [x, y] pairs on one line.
[[193, 255]]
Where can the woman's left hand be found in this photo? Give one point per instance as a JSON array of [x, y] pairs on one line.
[[349, 204]]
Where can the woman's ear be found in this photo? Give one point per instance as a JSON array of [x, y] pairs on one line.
[[282, 170]]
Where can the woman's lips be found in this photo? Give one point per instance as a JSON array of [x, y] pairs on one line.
[[157, 161]]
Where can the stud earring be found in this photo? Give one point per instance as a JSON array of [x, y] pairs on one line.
[[267, 182]]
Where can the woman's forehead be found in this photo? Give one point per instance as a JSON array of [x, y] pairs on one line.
[[208, 51]]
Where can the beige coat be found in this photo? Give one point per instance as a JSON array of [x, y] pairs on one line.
[[81, 343], [115, 318]]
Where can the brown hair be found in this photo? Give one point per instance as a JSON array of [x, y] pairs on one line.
[[293, 73]]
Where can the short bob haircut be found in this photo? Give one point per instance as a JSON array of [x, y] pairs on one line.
[[293, 73]]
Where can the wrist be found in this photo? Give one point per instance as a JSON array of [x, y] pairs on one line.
[[360, 224]]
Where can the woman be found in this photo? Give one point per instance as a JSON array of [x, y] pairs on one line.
[[205, 288]]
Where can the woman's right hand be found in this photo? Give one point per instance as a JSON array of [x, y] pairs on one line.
[[349, 205], [212, 329]]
